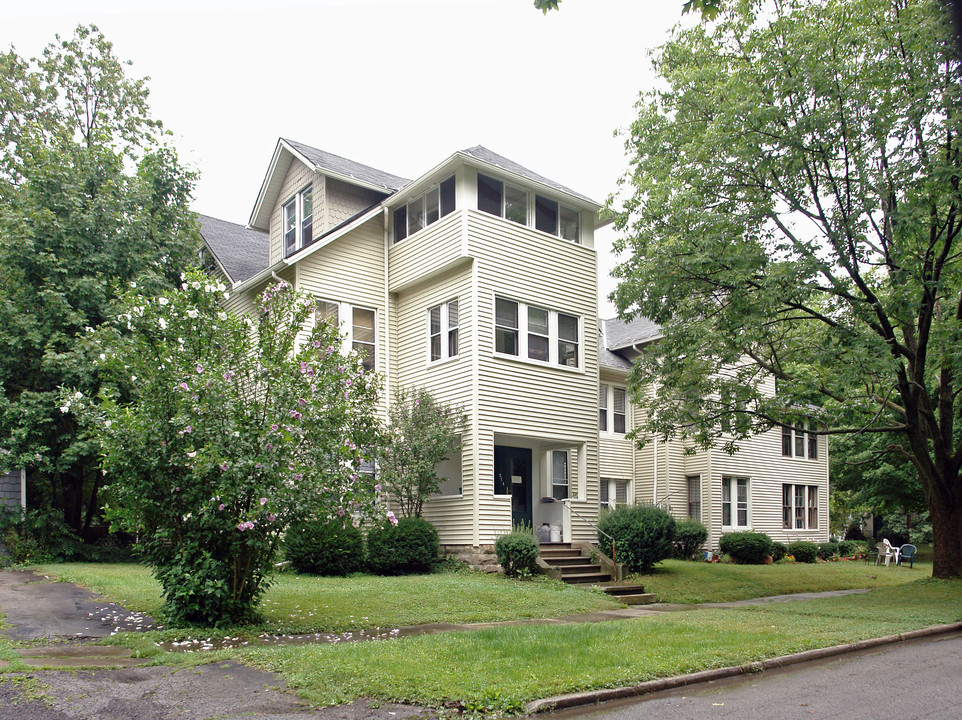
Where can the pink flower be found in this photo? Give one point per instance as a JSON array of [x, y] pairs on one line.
[[348, 382], [223, 467], [188, 429], [377, 487], [192, 454], [340, 513], [391, 518], [301, 401], [228, 375], [296, 415], [221, 506], [184, 386], [263, 501], [199, 369], [273, 428]]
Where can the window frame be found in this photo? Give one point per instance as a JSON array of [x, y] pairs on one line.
[[797, 516], [692, 479], [446, 193], [610, 392], [804, 437], [447, 335], [542, 212], [522, 334], [565, 477], [607, 501], [732, 483], [293, 214], [346, 327]]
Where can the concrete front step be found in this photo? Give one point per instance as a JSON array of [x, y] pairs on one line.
[[591, 578]]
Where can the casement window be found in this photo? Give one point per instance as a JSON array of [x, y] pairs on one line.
[[613, 493], [424, 210], [735, 502], [358, 326], [499, 198], [612, 409], [694, 497], [800, 442], [443, 331], [298, 220], [536, 333], [800, 507], [559, 474]]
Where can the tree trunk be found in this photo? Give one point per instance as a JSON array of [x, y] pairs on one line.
[[946, 513]]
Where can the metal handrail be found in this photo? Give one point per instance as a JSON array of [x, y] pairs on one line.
[[614, 556]]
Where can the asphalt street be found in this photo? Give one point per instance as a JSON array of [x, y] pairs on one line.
[[906, 681]]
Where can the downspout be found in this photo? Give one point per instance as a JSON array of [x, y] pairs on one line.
[[387, 318], [277, 278], [654, 490], [23, 489]]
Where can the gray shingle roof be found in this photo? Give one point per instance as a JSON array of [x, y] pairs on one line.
[[349, 168], [482, 153], [622, 334], [241, 251]]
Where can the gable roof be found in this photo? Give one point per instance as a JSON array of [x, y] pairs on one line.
[[325, 163], [620, 334], [241, 251], [479, 152], [348, 170]]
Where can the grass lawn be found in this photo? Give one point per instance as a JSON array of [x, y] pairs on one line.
[[301, 603], [501, 668]]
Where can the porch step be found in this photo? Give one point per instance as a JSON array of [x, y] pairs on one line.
[[630, 594], [592, 578], [566, 560]]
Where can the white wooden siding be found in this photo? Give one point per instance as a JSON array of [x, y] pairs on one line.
[[426, 253]]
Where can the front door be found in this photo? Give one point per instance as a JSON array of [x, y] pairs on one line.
[[512, 476]]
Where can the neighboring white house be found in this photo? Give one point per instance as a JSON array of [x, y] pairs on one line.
[[478, 281]]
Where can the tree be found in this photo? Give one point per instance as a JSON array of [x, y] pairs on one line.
[[708, 8], [90, 200], [422, 433], [793, 211], [218, 432]]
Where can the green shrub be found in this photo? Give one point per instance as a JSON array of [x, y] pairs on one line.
[[517, 552], [39, 536], [690, 535], [828, 551], [746, 548], [644, 535], [850, 548], [324, 548], [803, 551], [411, 546], [779, 551]]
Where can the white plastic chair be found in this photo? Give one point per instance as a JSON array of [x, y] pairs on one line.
[[884, 550]]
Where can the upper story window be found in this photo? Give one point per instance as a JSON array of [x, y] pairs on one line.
[[357, 324], [443, 330], [298, 219], [499, 198], [536, 333], [612, 409], [796, 441], [424, 210]]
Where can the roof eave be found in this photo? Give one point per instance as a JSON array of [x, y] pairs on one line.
[[578, 200]]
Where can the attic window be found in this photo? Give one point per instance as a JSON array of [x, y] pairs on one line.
[[298, 218], [424, 209], [511, 203]]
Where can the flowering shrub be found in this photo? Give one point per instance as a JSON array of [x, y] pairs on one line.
[[218, 432], [423, 433]]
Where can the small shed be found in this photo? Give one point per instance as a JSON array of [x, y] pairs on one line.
[[13, 489]]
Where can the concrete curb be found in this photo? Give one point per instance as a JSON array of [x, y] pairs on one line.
[[592, 697]]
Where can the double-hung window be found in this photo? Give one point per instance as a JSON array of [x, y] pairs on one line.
[[735, 502], [425, 209], [800, 507], [357, 325], [612, 409], [559, 474], [613, 493], [443, 331], [298, 220], [550, 216], [800, 441], [536, 333], [694, 497]]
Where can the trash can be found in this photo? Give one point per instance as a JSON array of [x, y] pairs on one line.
[[543, 534], [555, 533]]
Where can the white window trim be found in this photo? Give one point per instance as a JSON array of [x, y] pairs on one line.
[[345, 325], [553, 338], [446, 329], [733, 480], [806, 436], [531, 200], [806, 508], [298, 202], [701, 504], [610, 389], [612, 483], [567, 474]]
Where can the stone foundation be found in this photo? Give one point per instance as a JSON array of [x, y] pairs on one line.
[[478, 557]]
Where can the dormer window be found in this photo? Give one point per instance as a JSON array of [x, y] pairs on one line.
[[511, 203], [298, 217], [425, 209]]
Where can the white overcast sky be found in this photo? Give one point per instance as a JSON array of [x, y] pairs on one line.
[[393, 84]]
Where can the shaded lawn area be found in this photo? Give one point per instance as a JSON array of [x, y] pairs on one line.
[[676, 581], [501, 668], [301, 603]]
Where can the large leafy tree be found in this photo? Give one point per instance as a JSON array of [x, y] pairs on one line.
[[90, 200], [792, 210]]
